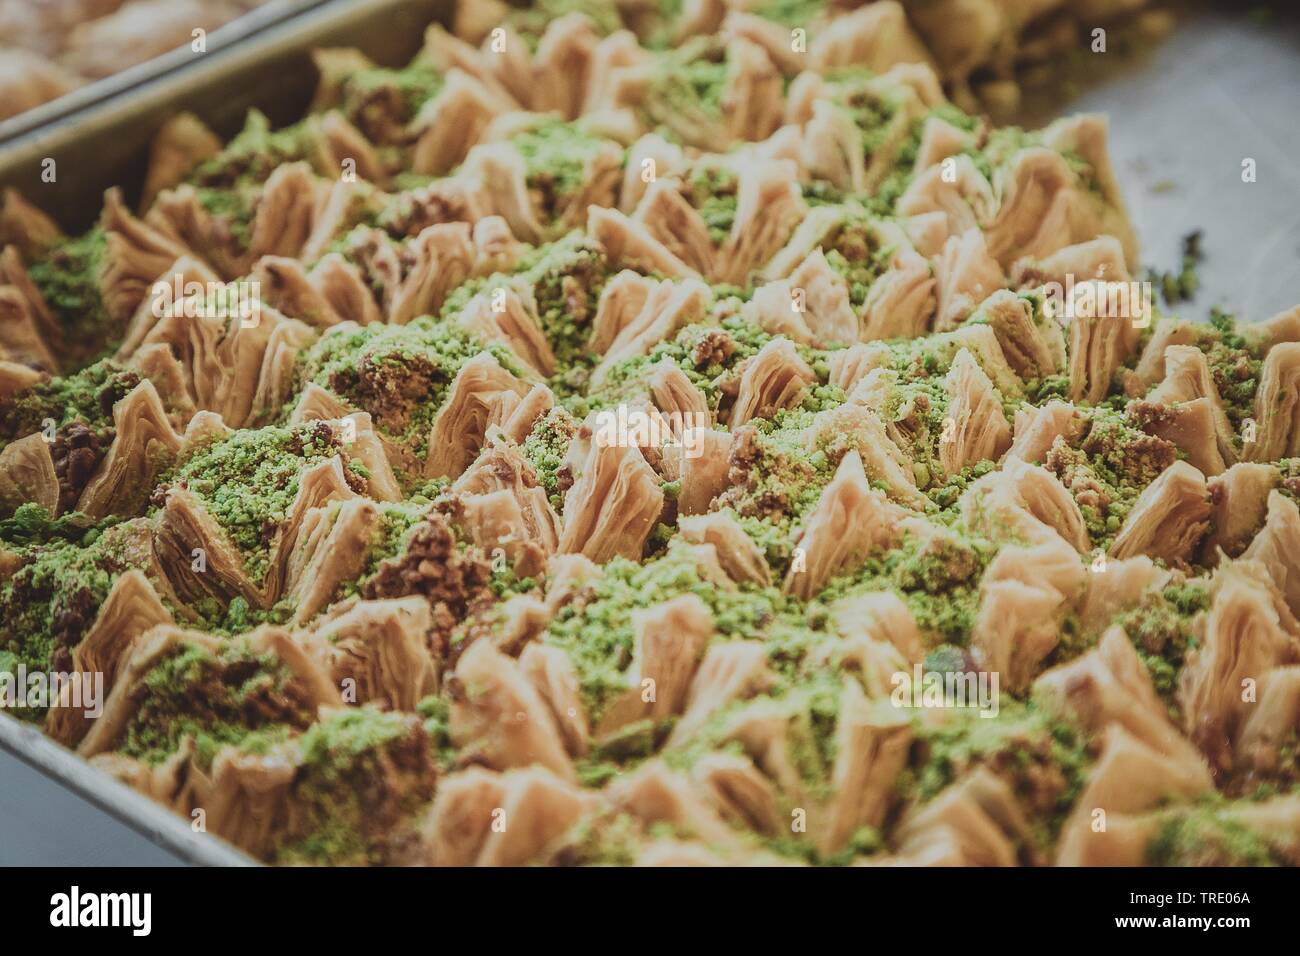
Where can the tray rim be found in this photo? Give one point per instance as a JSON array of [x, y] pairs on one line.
[[28, 743], [121, 83], [166, 92]]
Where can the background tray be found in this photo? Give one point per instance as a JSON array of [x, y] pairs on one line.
[[1224, 86], [118, 83], [107, 143]]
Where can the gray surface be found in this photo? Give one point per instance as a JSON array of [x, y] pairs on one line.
[[56, 809], [44, 824], [1220, 89]]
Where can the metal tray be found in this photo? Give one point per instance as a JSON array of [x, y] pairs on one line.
[[106, 144], [1183, 116], [1219, 89], [54, 807], [118, 83], [60, 810]]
